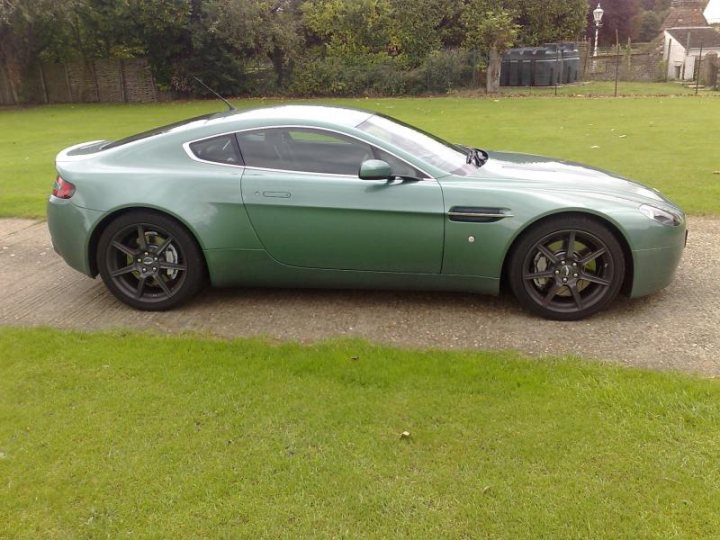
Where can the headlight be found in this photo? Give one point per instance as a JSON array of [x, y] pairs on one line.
[[665, 217]]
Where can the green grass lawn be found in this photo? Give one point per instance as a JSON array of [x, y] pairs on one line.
[[119, 435], [669, 142], [607, 89]]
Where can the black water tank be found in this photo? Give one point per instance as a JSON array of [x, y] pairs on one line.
[[553, 63]]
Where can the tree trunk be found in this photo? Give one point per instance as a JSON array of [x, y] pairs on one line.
[[277, 57], [493, 71], [9, 65]]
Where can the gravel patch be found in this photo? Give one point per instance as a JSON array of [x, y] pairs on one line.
[[677, 328]]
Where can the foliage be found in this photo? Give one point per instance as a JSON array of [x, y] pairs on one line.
[[618, 20], [257, 31], [29, 28], [658, 6], [449, 69], [549, 21], [350, 29], [490, 30], [234, 44], [380, 75], [648, 26], [638, 20]]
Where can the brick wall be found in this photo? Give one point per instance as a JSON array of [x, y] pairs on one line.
[[643, 67]]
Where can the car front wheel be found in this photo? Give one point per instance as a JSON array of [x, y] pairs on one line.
[[149, 261], [567, 268]]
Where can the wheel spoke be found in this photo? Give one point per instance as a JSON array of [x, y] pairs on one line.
[[141, 237], [570, 245], [164, 245], [140, 287], [549, 254], [539, 275], [594, 279], [551, 293], [163, 286], [121, 247], [576, 296], [166, 265], [592, 256], [122, 271]]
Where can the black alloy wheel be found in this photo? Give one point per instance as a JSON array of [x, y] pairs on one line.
[[149, 261], [567, 268]]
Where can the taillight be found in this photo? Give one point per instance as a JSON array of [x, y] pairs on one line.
[[62, 189]]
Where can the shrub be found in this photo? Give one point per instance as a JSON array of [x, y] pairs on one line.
[[383, 75]]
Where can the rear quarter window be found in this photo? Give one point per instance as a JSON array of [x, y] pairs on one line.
[[222, 149]]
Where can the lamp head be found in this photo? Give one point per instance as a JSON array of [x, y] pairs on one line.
[[598, 14]]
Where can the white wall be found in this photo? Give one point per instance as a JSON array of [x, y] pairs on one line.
[[678, 59]]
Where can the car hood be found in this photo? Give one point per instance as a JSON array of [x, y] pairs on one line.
[[549, 173]]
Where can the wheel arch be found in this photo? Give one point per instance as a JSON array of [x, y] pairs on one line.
[[613, 227], [101, 225]]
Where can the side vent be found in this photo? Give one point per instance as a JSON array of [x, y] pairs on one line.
[[478, 214]]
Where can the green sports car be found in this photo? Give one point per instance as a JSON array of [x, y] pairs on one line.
[[312, 196]]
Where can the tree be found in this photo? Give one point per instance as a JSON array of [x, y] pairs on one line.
[[658, 6], [350, 29], [414, 29], [155, 29], [548, 21], [407, 30], [648, 26], [491, 31], [257, 31], [29, 29], [618, 17]]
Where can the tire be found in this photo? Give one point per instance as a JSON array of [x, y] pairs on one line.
[[149, 261], [563, 284]]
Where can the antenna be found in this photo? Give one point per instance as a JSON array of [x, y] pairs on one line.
[[225, 101]]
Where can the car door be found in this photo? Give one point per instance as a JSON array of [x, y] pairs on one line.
[[309, 208]]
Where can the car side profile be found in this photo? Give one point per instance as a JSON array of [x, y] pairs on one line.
[[313, 196]]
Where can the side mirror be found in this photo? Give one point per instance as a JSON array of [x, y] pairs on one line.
[[375, 169]]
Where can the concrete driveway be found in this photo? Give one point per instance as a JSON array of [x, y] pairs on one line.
[[678, 328]]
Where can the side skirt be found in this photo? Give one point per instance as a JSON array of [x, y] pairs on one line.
[[255, 268]]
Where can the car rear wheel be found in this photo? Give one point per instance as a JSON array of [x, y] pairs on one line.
[[149, 261], [567, 268]]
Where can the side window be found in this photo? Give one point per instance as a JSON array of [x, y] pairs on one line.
[[221, 149], [398, 166], [303, 149]]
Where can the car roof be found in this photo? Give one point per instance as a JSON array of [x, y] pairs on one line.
[[310, 114], [210, 124]]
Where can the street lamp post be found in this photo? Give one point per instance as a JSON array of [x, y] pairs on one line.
[[597, 15]]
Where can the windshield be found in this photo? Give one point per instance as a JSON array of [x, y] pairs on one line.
[[429, 148], [155, 131]]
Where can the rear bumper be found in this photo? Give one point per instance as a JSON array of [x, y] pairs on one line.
[[70, 230]]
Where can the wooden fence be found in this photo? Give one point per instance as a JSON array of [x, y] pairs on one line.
[[99, 81]]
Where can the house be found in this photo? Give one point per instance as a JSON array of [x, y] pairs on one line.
[[683, 47], [688, 34], [685, 14]]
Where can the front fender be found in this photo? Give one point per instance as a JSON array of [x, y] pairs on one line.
[[480, 249]]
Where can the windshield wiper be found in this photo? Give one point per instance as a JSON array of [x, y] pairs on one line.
[[475, 155]]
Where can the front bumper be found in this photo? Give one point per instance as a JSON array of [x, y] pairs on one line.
[[655, 268], [70, 231]]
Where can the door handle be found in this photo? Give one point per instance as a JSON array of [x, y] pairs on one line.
[[277, 194]]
